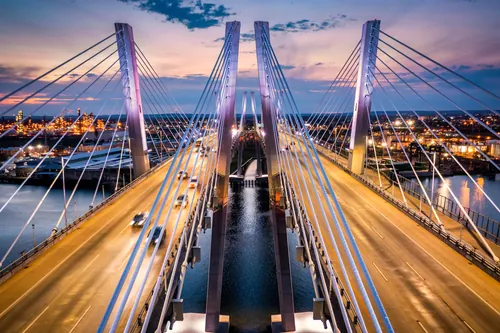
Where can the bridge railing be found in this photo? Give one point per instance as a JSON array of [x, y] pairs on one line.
[[488, 226], [139, 322], [30, 255], [346, 300], [468, 251]]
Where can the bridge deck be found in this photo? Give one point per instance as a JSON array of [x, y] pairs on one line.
[[67, 288], [449, 223], [423, 283]]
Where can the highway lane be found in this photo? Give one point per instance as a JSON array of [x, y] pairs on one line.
[[452, 226], [425, 285], [68, 288]]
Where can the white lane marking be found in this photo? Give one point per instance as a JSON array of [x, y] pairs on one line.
[[378, 269], [65, 259], [123, 263], [378, 233], [427, 252], [56, 267], [413, 269], [79, 320], [422, 326], [90, 263], [29, 326], [468, 326], [126, 227]]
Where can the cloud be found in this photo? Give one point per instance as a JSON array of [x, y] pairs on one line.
[[244, 37], [286, 67], [298, 26], [16, 75], [308, 25], [319, 64], [192, 14]]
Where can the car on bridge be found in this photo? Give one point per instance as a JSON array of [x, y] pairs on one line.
[[182, 175], [193, 183], [182, 201], [139, 219], [204, 152], [155, 239]]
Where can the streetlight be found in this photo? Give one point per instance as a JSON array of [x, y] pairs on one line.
[[64, 192], [432, 184], [34, 238]]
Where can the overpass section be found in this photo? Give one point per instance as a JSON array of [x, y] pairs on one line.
[[68, 287], [424, 284]]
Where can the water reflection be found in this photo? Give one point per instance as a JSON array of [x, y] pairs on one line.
[[249, 293], [469, 195], [23, 204], [249, 287]]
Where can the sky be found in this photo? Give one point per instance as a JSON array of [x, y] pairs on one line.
[[312, 39]]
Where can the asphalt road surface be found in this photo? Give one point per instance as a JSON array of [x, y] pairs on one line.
[[424, 285], [67, 288]]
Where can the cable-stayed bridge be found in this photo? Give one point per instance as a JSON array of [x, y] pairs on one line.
[[385, 252]]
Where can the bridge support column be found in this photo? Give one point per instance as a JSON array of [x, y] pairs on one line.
[[133, 102], [259, 161], [227, 103], [240, 158], [283, 272], [363, 99]]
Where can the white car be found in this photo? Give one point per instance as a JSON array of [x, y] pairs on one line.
[[139, 219], [182, 201], [193, 183]]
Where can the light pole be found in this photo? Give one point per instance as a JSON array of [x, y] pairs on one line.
[[161, 146], [64, 192], [432, 183], [34, 238]]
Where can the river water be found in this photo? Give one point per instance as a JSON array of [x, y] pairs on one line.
[[249, 287], [15, 215], [468, 194]]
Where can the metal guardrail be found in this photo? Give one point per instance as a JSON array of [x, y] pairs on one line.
[[346, 300], [468, 251], [488, 226], [37, 250], [139, 322]]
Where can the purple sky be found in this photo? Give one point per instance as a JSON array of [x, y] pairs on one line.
[[312, 39]]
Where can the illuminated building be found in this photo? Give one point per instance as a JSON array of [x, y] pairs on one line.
[[19, 116], [19, 120]]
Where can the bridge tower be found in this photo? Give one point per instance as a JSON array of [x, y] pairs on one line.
[[227, 110], [133, 103], [363, 99], [240, 129], [283, 272], [256, 126]]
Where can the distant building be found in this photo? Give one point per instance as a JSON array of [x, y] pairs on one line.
[[467, 149], [494, 148], [10, 151], [19, 116], [19, 120]]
